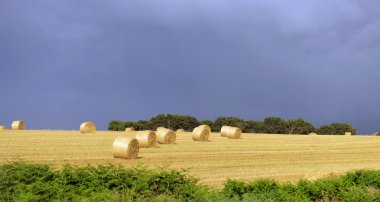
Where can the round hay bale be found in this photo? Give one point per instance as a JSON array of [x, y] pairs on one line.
[[233, 132], [3, 128], [160, 128], [130, 129], [200, 134], [125, 148], [18, 125], [312, 133], [348, 134], [166, 136], [223, 131], [180, 130], [87, 127], [205, 127], [146, 138]]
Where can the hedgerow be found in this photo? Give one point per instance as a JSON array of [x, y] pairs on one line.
[[20, 181]]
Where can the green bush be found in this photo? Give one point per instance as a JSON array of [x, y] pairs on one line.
[[362, 185], [21, 181], [33, 182]]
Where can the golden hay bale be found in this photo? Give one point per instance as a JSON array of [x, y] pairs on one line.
[[125, 148], [200, 134], [159, 128], [146, 138], [130, 129], [223, 131], [205, 127], [18, 125], [180, 130], [87, 127], [166, 136], [348, 134], [312, 133], [233, 132], [3, 128]]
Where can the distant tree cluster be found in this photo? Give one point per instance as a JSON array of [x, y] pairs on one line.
[[270, 125], [171, 121]]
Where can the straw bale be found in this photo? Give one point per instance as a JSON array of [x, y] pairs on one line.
[[348, 134], [166, 136], [146, 138], [3, 128], [233, 132], [312, 133], [87, 127], [180, 130], [200, 134], [207, 127], [130, 129], [223, 131], [159, 128], [18, 125], [125, 148]]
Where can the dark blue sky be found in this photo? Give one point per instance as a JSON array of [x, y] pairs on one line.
[[65, 62]]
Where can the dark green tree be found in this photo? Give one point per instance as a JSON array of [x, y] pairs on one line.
[[252, 126], [115, 125], [336, 129], [299, 126], [274, 125], [228, 121], [141, 125], [173, 122], [187, 123], [127, 125], [160, 120]]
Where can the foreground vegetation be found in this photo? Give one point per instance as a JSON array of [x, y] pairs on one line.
[[270, 125], [21, 181]]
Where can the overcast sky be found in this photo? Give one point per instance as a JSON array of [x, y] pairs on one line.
[[66, 62]]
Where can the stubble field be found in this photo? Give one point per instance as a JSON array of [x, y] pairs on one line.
[[280, 157]]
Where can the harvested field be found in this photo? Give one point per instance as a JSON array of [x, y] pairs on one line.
[[281, 157]]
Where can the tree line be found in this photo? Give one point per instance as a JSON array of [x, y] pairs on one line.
[[270, 125]]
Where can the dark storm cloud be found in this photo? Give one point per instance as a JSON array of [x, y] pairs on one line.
[[66, 62]]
